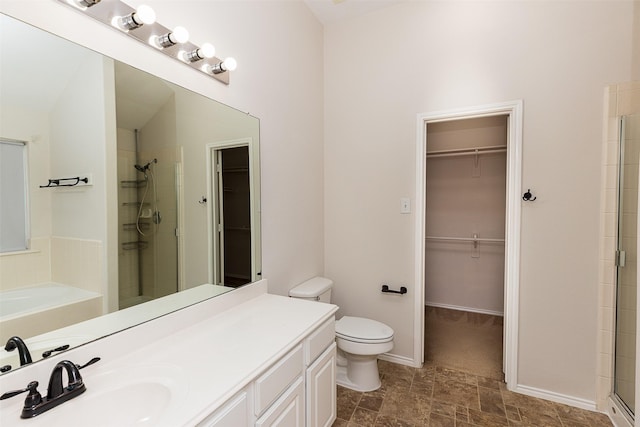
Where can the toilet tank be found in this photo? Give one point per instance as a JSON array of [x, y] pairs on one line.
[[316, 289]]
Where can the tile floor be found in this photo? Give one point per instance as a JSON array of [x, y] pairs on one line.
[[454, 388]]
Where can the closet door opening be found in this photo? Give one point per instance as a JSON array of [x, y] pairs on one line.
[[464, 257]]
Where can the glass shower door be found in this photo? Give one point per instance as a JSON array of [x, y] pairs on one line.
[[626, 262]]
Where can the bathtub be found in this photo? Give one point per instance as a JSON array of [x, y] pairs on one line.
[[34, 310]]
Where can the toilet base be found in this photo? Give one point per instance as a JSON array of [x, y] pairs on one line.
[[360, 372]]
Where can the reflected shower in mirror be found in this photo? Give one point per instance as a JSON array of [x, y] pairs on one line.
[[135, 238]]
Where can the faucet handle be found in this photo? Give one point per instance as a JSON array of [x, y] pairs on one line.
[[90, 362], [54, 350], [33, 398]]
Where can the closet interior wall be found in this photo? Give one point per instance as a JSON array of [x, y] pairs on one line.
[[466, 199]]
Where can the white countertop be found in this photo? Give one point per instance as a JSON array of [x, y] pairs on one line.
[[92, 329], [212, 358]]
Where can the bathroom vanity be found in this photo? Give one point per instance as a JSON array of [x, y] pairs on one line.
[[246, 358]]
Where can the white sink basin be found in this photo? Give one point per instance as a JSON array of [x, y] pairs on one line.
[[141, 404], [133, 396]]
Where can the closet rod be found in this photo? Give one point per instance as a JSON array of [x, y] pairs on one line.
[[468, 151], [465, 239]]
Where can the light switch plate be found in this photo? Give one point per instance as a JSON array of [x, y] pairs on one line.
[[405, 205]]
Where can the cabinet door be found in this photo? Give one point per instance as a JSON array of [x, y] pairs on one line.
[[288, 410], [321, 389], [233, 414]]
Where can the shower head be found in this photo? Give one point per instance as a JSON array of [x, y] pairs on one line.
[[145, 168]]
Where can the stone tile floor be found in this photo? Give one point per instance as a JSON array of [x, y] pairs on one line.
[[436, 396]]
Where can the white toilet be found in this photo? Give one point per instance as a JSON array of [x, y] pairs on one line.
[[359, 340]]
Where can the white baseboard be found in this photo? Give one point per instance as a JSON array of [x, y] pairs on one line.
[[460, 308], [556, 397], [401, 360]]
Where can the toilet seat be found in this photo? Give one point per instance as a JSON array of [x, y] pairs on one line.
[[362, 330]]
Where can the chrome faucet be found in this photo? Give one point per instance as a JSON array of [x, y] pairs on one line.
[[23, 351], [57, 393]]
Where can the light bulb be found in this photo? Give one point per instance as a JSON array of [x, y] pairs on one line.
[[228, 64], [206, 51], [143, 15], [178, 35]]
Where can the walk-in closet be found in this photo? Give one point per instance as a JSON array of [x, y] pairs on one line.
[[466, 175]]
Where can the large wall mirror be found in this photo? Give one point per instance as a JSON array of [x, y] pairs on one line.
[[138, 197]]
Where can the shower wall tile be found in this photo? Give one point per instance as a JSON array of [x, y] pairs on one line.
[[605, 362], [611, 174], [608, 318], [630, 201], [607, 295], [606, 338], [612, 152], [604, 388], [608, 249], [607, 272], [628, 100], [611, 109], [610, 200], [609, 225], [629, 223]]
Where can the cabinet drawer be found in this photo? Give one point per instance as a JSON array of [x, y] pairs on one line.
[[288, 411], [275, 381], [234, 413], [319, 340]]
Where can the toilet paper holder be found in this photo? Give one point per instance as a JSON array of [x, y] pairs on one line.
[[385, 289]]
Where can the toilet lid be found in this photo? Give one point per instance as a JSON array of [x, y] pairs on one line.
[[360, 329]]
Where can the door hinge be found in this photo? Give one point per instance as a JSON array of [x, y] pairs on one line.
[[621, 258]]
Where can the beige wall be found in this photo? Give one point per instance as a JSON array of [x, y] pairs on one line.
[[421, 57]]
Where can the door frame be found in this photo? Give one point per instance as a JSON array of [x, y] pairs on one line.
[[514, 111]]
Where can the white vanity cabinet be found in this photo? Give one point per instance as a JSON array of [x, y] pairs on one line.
[[320, 376], [296, 391], [321, 389], [260, 360]]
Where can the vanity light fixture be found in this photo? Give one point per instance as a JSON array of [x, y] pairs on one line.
[[229, 64], [206, 51], [83, 4], [178, 35], [173, 43], [143, 15]]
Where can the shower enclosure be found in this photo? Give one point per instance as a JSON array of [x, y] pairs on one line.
[[148, 194], [624, 384]]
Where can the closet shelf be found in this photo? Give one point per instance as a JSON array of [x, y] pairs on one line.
[[474, 151], [474, 239]]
